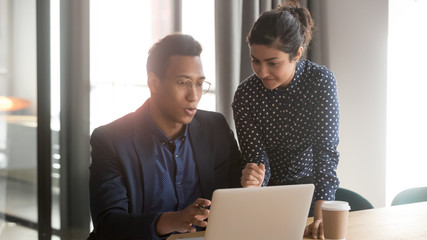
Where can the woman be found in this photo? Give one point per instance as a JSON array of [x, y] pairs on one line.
[[286, 113]]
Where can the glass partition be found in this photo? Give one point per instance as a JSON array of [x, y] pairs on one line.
[[18, 120]]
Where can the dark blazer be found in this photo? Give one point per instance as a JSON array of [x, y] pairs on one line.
[[121, 172]]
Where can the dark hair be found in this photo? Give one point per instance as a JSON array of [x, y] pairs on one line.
[[286, 28], [174, 44]]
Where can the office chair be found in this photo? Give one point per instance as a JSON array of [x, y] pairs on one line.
[[411, 195], [355, 200]]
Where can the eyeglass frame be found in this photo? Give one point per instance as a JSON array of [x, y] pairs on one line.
[[187, 81]]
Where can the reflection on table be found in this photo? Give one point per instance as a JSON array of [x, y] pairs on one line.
[[398, 222]]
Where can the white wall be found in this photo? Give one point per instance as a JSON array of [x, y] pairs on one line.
[[357, 47]]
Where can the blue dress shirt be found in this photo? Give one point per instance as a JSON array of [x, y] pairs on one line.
[[176, 180]]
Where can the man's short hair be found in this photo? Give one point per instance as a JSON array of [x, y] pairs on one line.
[[174, 44]]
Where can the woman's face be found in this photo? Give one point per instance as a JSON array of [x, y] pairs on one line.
[[273, 66]]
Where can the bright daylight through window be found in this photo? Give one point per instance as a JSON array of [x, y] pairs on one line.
[[406, 96], [121, 35]]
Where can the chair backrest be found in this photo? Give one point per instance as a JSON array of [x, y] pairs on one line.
[[411, 195], [355, 200]]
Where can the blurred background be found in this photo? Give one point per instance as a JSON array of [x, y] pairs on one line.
[[69, 66]]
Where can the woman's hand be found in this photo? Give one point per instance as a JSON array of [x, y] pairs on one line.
[[183, 221], [253, 175], [315, 229]]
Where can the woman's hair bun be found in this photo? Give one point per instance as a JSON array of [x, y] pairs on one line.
[[286, 28], [303, 16], [292, 4]]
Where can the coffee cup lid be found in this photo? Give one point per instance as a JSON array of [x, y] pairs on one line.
[[335, 206]]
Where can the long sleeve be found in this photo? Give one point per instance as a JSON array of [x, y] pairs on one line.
[[125, 195], [108, 196], [325, 137], [250, 139], [235, 159], [292, 130]]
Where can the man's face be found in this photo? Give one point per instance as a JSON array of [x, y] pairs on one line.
[[180, 89]]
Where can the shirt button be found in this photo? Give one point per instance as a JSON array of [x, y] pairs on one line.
[[176, 156]]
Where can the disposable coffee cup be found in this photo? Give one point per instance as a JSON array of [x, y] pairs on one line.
[[335, 219]]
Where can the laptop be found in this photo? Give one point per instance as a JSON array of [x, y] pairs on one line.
[[277, 212]]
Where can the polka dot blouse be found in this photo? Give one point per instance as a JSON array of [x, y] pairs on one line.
[[293, 131]]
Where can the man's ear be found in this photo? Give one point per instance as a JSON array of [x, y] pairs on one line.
[[153, 82]]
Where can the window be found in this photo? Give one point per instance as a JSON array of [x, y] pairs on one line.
[[122, 34], [18, 119], [407, 83], [198, 20]]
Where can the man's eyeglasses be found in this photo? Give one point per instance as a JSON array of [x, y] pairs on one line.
[[202, 87]]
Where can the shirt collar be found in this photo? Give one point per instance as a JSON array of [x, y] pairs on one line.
[[296, 80]]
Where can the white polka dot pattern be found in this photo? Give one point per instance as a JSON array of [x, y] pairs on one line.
[[293, 131]]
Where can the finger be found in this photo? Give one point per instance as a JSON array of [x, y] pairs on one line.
[[262, 167], [249, 165], [315, 229], [252, 166], [249, 183], [259, 170], [200, 223], [251, 174], [192, 230], [307, 230], [247, 176], [249, 180], [201, 202], [200, 208], [321, 231], [256, 168], [187, 227], [201, 214], [254, 176]]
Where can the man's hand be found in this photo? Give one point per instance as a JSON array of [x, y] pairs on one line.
[[253, 175], [194, 215], [183, 221]]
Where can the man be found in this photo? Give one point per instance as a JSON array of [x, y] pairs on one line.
[[154, 170]]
